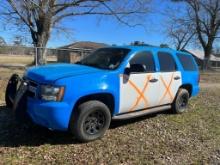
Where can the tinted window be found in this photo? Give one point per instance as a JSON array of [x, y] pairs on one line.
[[167, 63], [146, 59], [105, 58], [187, 62]]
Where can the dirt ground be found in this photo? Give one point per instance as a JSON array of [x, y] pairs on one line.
[[163, 138]]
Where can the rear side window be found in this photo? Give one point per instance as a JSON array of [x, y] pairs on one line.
[[146, 59], [167, 63], [187, 62]]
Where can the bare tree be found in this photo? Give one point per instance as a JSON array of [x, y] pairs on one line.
[[180, 33], [2, 41], [205, 16], [42, 16], [18, 41]]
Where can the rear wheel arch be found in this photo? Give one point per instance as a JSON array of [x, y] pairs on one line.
[[188, 87]]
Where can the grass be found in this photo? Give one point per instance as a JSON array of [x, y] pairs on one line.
[[210, 77], [16, 59], [189, 138], [21, 59]]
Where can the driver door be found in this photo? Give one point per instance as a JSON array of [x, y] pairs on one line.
[[139, 89]]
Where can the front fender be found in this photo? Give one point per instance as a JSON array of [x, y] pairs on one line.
[[83, 85]]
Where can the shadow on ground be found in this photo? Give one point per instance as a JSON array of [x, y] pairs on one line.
[[15, 134]]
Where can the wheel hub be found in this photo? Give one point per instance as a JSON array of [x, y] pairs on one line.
[[183, 101], [94, 123]]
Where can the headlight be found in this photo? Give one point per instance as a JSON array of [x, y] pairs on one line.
[[52, 93]]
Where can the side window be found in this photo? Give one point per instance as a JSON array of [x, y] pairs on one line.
[[146, 59], [187, 62], [167, 63]]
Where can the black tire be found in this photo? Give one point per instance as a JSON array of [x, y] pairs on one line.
[[11, 90], [180, 103], [90, 121]]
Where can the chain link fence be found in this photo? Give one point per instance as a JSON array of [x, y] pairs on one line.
[[15, 59], [27, 55]]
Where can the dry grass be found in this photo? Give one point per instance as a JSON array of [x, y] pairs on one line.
[[210, 77], [16, 59], [21, 59], [190, 138]]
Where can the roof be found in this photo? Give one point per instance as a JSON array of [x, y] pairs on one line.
[[84, 45], [153, 48], [201, 55]]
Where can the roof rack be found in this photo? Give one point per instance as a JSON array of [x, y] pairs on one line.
[[140, 43]]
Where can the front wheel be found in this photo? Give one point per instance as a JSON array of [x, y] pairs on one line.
[[181, 101], [90, 121]]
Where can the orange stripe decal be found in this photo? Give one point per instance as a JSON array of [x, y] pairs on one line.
[[168, 89], [141, 93]]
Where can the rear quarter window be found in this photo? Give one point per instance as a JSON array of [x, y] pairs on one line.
[[167, 63], [187, 62]]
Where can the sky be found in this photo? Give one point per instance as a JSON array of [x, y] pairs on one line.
[[108, 30]]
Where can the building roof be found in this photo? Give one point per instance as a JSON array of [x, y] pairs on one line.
[[84, 45], [201, 55]]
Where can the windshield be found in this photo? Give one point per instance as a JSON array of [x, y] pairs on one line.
[[105, 58]]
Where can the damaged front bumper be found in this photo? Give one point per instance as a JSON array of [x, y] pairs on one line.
[[27, 106], [16, 97]]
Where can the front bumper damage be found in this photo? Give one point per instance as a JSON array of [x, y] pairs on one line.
[[16, 97], [22, 97]]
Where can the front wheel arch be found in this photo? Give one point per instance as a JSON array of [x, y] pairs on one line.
[[78, 121], [107, 98]]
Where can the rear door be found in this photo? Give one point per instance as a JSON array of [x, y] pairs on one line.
[[169, 77], [139, 90]]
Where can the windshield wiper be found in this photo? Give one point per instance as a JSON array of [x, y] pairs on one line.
[[91, 65], [78, 62]]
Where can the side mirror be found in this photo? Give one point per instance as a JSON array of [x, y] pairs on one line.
[[137, 68], [127, 71]]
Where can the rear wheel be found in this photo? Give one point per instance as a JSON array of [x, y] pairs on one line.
[[181, 101], [90, 121]]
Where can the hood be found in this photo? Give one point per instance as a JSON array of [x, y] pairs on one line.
[[52, 72]]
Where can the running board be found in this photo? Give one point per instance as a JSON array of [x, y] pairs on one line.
[[141, 113]]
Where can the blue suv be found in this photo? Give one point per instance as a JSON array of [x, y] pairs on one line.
[[111, 83]]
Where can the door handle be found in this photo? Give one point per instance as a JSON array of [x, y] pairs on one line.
[[153, 80], [177, 78]]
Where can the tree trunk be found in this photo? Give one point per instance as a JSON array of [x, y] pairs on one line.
[[206, 61], [41, 37], [41, 48], [40, 57]]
